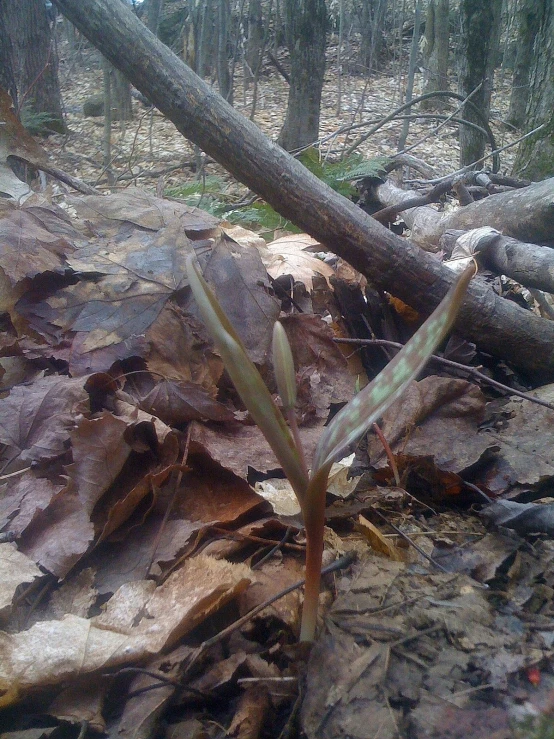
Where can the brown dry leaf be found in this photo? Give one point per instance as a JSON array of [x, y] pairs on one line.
[[270, 579], [288, 256], [438, 417], [525, 440], [82, 702], [239, 280], [137, 278], [58, 536], [378, 542], [251, 713], [21, 497], [139, 621], [99, 453], [238, 447], [208, 496], [176, 401], [180, 349], [142, 209], [15, 569], [322, 372], [27, 247], [37, 419]]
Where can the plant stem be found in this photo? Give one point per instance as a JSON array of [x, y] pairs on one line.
[[314, 521]]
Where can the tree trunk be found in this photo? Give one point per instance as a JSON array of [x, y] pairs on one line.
[[153, 11], [480, 21], [254, 41], [7, 76], [527, 27], [497, 326], [372, 21], [34, 62], [535, 157], [435, 52], [306, 24]]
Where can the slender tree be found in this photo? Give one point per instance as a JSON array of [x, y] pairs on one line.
[[535, 158], [306, 28], [528, 14], [480, 22], [435, 52], [34, 60], [7, 75]]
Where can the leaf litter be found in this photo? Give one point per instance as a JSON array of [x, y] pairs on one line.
[[128, 473]]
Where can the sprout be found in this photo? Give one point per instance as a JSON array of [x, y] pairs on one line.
[[345, 428]]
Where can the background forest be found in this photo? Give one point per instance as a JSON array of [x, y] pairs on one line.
[[317, 73], [229, 233]]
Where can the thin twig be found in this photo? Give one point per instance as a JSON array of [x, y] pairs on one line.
[[410, 542], [172, 500], [274, 549], [473, 371], [388, 452]]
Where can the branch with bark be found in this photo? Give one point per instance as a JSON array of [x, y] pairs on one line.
[[391, 263]]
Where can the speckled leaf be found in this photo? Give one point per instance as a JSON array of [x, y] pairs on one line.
[[363, 410]]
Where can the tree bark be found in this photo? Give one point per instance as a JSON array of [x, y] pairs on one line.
[[526, 214], [480, 34], [35, 61], [535, 157], [372, 21], [7, 76], [391, 263], [527, 26], [437, 34], [306, 24]]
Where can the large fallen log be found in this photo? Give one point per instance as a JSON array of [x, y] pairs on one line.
[[526, 214], [391, 263]]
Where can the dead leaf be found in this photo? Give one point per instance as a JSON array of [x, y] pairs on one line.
[[378, 542], [36, 420], [438, 417], [288, 255], [15, 569], [139, 621]]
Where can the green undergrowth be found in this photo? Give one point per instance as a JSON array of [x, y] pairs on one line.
[[211, 193]]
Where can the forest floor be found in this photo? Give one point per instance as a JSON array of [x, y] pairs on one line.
[[142, 521], [149, 146]]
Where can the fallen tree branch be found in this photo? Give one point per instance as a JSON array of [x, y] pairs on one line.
[[497, 326]]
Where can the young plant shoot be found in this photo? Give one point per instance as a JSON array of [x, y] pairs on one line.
[[345, 428]]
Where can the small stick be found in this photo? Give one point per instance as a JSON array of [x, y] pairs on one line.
[[455, 365], [388, 452]]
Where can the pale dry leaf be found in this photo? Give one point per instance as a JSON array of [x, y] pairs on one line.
[[140, 620], [288, 256], [15, 569]]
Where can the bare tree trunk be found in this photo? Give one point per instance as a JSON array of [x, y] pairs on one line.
[[527, 27], [435, 53], [255, 36], [306, 25], [224, 79], [411, 73], [497, 326], [535, 157], [7, 75], [372, 20], [154, 9], [480, 34], [35, 61]]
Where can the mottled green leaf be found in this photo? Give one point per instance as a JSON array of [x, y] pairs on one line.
[[247, 380], [366, 407]]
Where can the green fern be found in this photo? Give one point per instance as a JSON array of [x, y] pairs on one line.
[[208, 192], [339, 175]]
